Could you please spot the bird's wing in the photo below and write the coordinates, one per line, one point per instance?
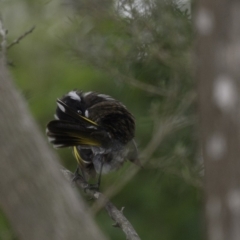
(82, 131)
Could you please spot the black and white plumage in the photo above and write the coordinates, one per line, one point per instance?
(99, 128)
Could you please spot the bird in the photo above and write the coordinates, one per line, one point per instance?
(99, 129)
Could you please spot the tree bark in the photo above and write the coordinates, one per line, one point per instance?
(218, 75)
(38, 201)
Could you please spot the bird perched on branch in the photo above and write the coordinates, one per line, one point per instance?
(99, 129)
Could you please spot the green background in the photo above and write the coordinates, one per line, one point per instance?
(94, 47)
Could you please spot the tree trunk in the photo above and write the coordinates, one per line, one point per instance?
(218, 75)
(36, 198)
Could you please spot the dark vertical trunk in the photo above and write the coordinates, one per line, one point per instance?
(218, 75)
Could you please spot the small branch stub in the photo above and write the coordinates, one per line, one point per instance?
(16, 41)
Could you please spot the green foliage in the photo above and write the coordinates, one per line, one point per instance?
(150, 50)
(141, 55)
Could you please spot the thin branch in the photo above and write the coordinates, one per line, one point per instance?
(145, 86)
(149, 88)
(116, 215)
(16, 41)
(193, 177)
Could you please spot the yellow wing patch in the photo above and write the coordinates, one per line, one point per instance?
(88, 120)
(77, 156)
(79, 159)
(85, 141)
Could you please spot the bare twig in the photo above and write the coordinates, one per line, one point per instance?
(117, 215)
(16, 41)
(146, 87)
(191, 177)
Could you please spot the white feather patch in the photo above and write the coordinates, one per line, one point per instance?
(86, 94)
(56, 117)
(61, 107)
(86, 113)
(51, 139)
(91, 127)
(73, 95)
(106, 97)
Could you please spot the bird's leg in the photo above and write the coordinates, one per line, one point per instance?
(100, 175)
(96, 186)
(82, 176)
(76, 175)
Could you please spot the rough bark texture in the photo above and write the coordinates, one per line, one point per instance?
(36, 198)
(218, 74)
